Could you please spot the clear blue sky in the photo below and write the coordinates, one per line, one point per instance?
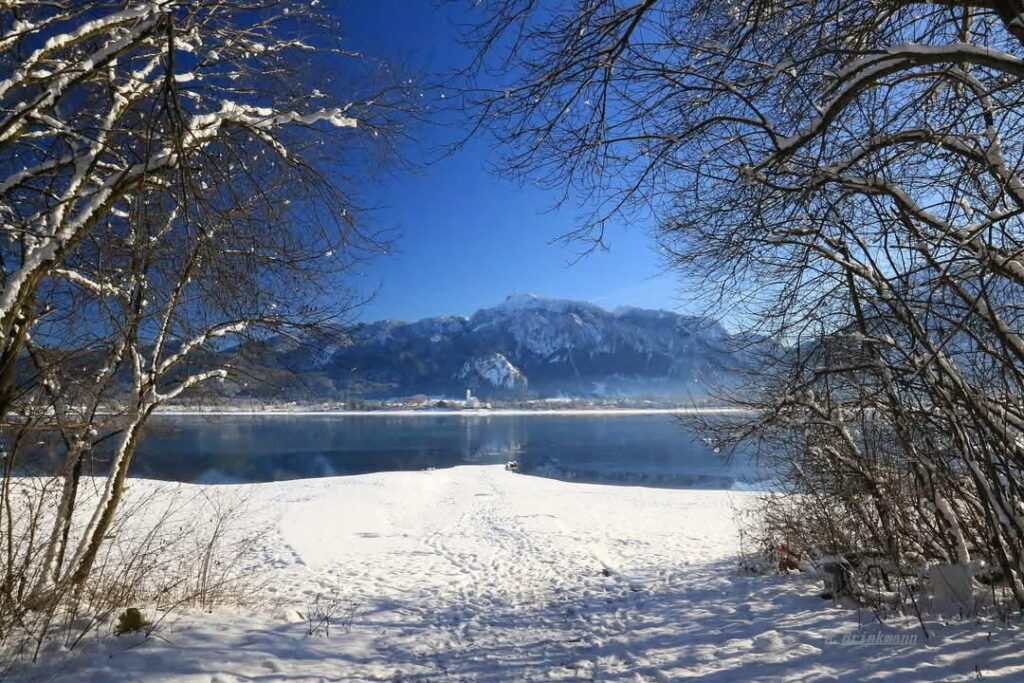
(466, 238)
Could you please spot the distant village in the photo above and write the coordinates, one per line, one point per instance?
(422, 402)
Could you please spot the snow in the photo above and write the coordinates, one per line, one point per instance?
(520, 301)
(862, 73)
(559, 346)
(474, 573)
(493, 370)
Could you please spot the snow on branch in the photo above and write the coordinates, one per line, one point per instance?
(201, 339)
(101, 288)
(864, 73)
(189, 382)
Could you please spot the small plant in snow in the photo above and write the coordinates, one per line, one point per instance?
(131, 621)
(330, 610)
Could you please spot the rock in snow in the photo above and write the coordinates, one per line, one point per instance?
(491, 371)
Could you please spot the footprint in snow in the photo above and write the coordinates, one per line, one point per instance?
(272, 665)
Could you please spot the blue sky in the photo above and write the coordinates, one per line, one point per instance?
(466, 238)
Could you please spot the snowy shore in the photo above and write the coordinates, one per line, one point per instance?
(474, 573)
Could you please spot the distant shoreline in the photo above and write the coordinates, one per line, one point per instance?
(482, 412)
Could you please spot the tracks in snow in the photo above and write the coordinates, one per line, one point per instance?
(545, 608)
(477, 577)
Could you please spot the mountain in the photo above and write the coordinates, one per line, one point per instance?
(528, 346)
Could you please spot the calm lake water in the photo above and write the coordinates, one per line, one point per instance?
(629, 449)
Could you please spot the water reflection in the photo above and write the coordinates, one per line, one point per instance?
(636, 449)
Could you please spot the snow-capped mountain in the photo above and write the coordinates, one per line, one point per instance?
(526, 346)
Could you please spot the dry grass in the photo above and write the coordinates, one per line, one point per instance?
(173, 548)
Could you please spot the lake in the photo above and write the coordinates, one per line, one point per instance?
(639, 449)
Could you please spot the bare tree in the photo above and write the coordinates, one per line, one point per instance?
(174, 177)
(844, 174)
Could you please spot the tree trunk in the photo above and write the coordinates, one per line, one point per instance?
(81, 566)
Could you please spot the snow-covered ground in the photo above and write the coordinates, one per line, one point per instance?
(475, 573)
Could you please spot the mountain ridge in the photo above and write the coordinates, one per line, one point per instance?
(526, 346)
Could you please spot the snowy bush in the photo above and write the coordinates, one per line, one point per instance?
(163, 554)
(842, 179)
